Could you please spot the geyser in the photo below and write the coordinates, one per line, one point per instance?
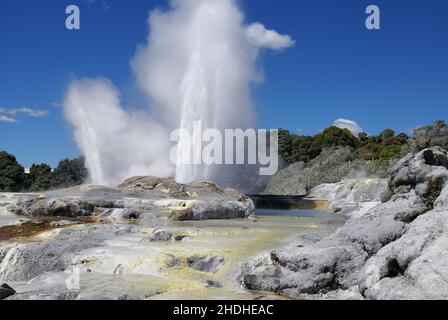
(198, 65)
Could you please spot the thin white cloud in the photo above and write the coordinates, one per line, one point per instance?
(7, 115)
(26, 111)
(351, 125)
(7, 119)
(261, 37)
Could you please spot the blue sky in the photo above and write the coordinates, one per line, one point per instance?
(395, 77)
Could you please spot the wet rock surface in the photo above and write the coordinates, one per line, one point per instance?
(114, 260)
(396, 250)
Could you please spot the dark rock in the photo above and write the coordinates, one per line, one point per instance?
(261, 283)
(161, 236)
(213, 284)
(180, 237)
(205, 263)
(386, 196)
(6, 291)
(172, 261)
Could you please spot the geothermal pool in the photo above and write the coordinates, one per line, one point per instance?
(203, 260)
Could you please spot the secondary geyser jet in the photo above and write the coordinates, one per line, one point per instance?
(198, 65)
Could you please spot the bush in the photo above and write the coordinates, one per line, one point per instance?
(284, 144)
(331, 166)
(12, 174)
(294, 148)
(334, 137)
(39, 178)
(304, 149)
(390, 152)
(69, 173)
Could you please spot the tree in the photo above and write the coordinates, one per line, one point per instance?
(304, 149)
(12, 174)
(363, 136)
(390, 152)
(335, 137)
(284, 144)
(387, 134)
(39, 178)
(69, 173)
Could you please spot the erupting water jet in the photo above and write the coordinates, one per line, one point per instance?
(198, 65)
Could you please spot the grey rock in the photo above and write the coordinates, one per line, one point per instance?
(52, 207)
(161, 236)
(213, 284)
(413, 267)
(140, 198)
(55, 294)
(396, 250)
(25, 261)
(213, 209)
(426, 173)
(386, 196)
(205, 263)
(347, 195)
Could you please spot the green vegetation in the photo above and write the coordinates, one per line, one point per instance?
(69, 173)
(385, 146)
(294, 148)
(41, 177)
(12, 174)
(335, 154)
(332, 165)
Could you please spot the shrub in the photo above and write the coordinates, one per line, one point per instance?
(69, 173)
(12, 174)
(39, 178)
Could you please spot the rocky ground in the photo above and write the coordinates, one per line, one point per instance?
(350, 197)
(146, 259)
(148, 238)
(138, 198)
(397, 249)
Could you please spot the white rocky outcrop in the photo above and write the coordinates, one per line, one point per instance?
(348, 195)
(140, 198)
(396, 250)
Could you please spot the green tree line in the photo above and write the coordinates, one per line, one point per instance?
(41, 177)
(385, 146)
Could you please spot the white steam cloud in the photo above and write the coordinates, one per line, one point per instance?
(115, 143)
(198, 64)
(352, 126)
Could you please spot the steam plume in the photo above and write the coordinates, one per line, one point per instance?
(198, 65)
